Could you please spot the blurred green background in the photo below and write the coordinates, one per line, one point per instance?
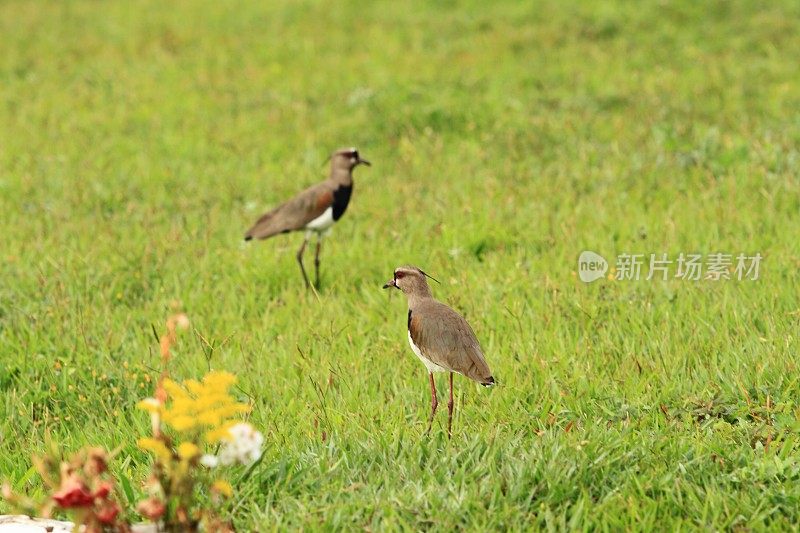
(138, 140)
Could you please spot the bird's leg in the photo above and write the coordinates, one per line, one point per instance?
(450, 409)
(316, 260)
(434, 402)
(300, 260)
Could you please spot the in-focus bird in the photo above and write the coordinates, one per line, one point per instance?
(314, 210)
(439, 336)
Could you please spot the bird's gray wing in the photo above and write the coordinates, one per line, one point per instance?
(294, 214)
(444, 337)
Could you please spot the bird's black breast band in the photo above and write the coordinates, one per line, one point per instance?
(341, 197)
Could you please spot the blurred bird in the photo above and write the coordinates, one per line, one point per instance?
(314, 210)
(439, 336)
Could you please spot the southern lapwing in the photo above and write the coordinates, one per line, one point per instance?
(313, 210)
(439, 336)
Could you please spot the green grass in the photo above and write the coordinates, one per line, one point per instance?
(138, 143)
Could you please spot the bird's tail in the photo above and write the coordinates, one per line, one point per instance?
(489, 382)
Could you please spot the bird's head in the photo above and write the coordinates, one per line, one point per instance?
(347, 159)
(411, 280)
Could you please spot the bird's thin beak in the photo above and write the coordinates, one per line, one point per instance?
(389, 284)
(364, 162)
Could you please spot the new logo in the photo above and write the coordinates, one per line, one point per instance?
(591, 266)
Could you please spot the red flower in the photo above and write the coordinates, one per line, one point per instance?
(103, 490)
(151, 508)
(107, 514)
(73, 493)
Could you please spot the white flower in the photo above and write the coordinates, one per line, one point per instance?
(242, 446)
(209, 460)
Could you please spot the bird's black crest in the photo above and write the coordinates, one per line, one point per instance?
(429, 276)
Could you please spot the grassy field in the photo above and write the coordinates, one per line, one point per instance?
(138, 143)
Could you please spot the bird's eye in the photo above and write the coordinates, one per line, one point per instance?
(398, 275)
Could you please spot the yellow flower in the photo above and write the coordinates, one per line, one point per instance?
(174, 390)
(220, 433)
(203, 405)
(180, 422)
(219, 380)
(188, 450)
(156, 446)
(223, 487)
(194, 386)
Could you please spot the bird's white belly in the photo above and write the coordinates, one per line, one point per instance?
(431, 366)
(322, 222)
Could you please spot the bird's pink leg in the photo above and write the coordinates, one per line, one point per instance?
(434, 402)
(450, 409)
